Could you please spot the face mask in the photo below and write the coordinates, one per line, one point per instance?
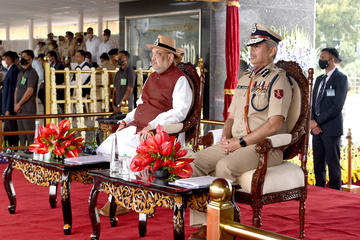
(116, 57)
(89, 36)
(87, 60)
(60, 42)
(120, 61)
(51, 48)
(4, 64)
(106, 38)
(37, 46)
(323, 63)
(79, 40)
(50, 61)
(24, 62)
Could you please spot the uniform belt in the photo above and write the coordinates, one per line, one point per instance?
(246, 109)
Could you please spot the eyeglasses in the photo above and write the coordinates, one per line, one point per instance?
(157, 54)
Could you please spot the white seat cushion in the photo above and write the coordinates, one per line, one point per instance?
(278, 178)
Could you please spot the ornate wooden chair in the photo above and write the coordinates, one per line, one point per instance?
(287, 181)
(191, 125)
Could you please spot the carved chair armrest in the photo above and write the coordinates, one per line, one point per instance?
(263, 148)
(207, 140)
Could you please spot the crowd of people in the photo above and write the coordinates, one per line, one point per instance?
(22, 75)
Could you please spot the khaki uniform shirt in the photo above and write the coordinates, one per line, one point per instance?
(67, 51)
(42, 50)
(261, 106)
(61, 49)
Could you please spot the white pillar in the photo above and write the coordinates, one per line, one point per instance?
(81, 22)
(100, 28)
(49, 26)
(7, 44)
(31, 34)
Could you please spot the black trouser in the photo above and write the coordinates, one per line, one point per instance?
(59, 96)
(10, 126)
(327, 152)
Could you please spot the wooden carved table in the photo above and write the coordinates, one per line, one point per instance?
(48, 174)
(143, 197)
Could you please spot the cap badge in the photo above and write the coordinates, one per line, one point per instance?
(157, 42)
(253, 28)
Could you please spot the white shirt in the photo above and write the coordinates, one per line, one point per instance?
(84, 76)
(39, 70)
(327, 79)
(104, 47)
(182, 98)
(93, 47)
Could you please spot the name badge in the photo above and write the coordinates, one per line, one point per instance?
(242, 87)
(330, 92)
(23, 81)
(123, 81)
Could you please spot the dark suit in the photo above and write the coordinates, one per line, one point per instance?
(326, 145)
(59, 79)
(9, 86)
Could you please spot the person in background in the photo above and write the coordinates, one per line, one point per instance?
(59, 79)
(68, 46)
(25, 94)
(49, 40)
(124, 83)
(54, 47)
(9, 85)
(79, 45)
(40, 58)
(92, 44)
(2, 50)
(104, 59)
(41, 48)
(85, 77)
(88, 58)
(61, 46)
(17, 62)
(329, 94)
(181, 51)
(105, 46)
(114, 57)
(38, 67)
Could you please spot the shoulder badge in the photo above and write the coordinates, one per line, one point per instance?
(265, 72)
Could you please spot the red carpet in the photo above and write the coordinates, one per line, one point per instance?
(330, 214)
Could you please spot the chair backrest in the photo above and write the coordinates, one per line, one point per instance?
(299, 112)
(192, 122)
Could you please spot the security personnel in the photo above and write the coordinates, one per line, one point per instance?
(78, 45)
(68, 45)
(258, 110)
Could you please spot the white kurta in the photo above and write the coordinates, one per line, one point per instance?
(182, 98)
(93, 47)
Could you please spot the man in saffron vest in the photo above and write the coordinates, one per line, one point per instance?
(166, 99)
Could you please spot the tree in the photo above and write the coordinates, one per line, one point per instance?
(338, 25)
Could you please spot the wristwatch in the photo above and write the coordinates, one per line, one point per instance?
(242, 142)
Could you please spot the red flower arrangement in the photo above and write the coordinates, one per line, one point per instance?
(60, 140)
(162, 152)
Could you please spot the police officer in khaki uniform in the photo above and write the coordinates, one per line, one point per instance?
(68, 45)
(267, 92)
(78, 45)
